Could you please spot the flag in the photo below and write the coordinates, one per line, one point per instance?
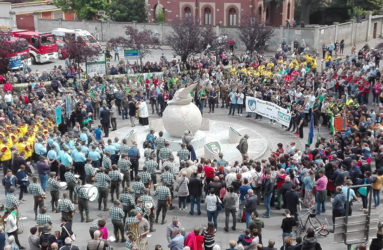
(311, 133)
(139, 78)
(332, 124)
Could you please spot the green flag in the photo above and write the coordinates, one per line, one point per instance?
(139, 78)
(148, 76)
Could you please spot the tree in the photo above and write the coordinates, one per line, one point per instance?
(6, 46)
(254, 34)
(80, 52)
(128, 11)
(208, 37)
(84, 9)
(160, 16)
(142, 41)
(185, 39)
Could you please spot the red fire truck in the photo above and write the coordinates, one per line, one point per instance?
(42, 46)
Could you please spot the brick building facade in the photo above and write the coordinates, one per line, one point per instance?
(223, 12)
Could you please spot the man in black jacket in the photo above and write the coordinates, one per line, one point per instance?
(250, 205)
(195, 192)
(267, 194)
(105, 120)
(292, 202)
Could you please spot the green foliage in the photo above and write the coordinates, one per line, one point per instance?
(160, 17)
(84, 9)
(128, 11)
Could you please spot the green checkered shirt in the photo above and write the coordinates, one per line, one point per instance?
(145, 177)
(11, 201)
(167, 177)
(127, 199)
(53, 185)
(43, 219)
(94, 225)
(159, 143)
(65, 205)
(114, 175)
(138, 187)
(116, 213)
(171, 166)
(183, 154)
(147, 152)
(102, 180)
(124, 165)
(164, 153)
(130, 220)
(69, 177)
(140, 209)
(124, 149)
(162, 193)
(106, 162)
(81, 192)
(147, 199)
(151, 165)
(35, 189)
(89, 170)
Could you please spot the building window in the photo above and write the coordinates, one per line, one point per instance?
(260, 12)
(187, 12)
(207, 15)
(288, 11)
(232, 17)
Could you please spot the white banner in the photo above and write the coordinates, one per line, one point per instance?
(96, 66)
(268, 109)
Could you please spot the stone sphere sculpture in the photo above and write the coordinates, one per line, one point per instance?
(181, 114)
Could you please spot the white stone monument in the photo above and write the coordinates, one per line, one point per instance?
(181, 114)
(156, 125)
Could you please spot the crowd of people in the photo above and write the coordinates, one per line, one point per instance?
(42, 154)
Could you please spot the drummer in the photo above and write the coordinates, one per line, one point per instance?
(54, 187)
(90, 171)
(83, 205)
(148, 205)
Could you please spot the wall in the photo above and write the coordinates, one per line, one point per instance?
(5, 18)
(313, 36)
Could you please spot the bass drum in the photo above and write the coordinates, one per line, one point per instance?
(63, 185)
(92, 191)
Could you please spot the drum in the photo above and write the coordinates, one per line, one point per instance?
(121, 176)
(92, 191)
(63, 185)
(77, 176)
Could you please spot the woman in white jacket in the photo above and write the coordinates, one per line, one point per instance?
(11, 226)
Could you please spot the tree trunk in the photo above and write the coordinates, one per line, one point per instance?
(305, 11)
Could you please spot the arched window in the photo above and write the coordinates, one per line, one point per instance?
(232, 17)
(260, 12)
(207, 16)
(187, 12)
(267, 14)
(288, 11)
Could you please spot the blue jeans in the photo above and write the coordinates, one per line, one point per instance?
(376, 194)
(248, 219)
(201, 105)
(284, 235)
(212, 216)
(195, 200)
(267, 200)
(43, 181)
(320, 204)
(182, 202)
